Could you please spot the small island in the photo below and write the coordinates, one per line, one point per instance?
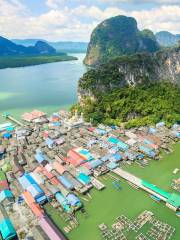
(23, 61)
(13, 55)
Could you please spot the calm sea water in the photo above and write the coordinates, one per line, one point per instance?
(48, 87)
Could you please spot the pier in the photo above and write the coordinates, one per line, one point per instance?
(11, 118)
(97, 184)
(172, 200)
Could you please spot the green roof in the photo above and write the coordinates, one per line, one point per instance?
(174, 200)
(7, 229)
(2, 176)
(6, 167)
(155, 189)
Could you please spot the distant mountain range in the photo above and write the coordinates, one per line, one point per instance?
(59, 46)
(9, 48)
(167, 39)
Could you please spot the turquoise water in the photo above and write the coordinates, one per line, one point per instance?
(48, 87)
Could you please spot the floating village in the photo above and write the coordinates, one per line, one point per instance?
(58, 160)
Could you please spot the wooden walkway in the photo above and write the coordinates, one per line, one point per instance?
(13, 120)
(136, 181)
(97, 184)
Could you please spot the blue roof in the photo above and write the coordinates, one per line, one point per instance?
(55, 115)
(85, 179)
(56, 124)
(26, 180)
(105, 158)
(66, 182)
(72, 199)
(35, 190)
(146, 141)
(84, 151)
(37, 193)
(140, 156)
(123, 146)
(160, 124)
(112, 165)
(41, 199)
(101, 131)
(39, 157)
(49, 141)
(117, 156)
(113, 127)
(95, 163)
(63, 201)
(152, 130)
(7, 135)
(131, 155)
(86, 154)
(147, 150)
(113, 140)
(5, 194)
(178, 135)
(10, 129)
(7, 229)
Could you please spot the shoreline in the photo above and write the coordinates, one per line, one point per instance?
(25, 61)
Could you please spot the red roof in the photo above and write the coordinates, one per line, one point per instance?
(58, 159)
(86, 165)
(91, 129)
(37, 210)
(4, 185)
(47, 174)
(74, 155)
(54, 181)
(75, 158)
(58, 167)
(38, 169)
(28, 198)
(74, 162)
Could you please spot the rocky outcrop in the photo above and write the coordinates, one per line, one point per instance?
(132, 71)
(118, 36)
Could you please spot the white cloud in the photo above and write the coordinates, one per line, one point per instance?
(140, 1)
(157, 19)
(54, 3)
(77, 23)
(60, 3)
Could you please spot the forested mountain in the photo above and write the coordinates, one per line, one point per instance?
(138, 89)
(118, 36)
(8, 48)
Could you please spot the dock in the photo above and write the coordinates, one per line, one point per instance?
(97, 184)
(11, 118)
(137, 183)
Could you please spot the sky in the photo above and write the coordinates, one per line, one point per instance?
(74, 20)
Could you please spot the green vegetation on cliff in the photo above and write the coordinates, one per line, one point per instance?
(137, 106)
(137, 89)
(118, 36)
(132, 70)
